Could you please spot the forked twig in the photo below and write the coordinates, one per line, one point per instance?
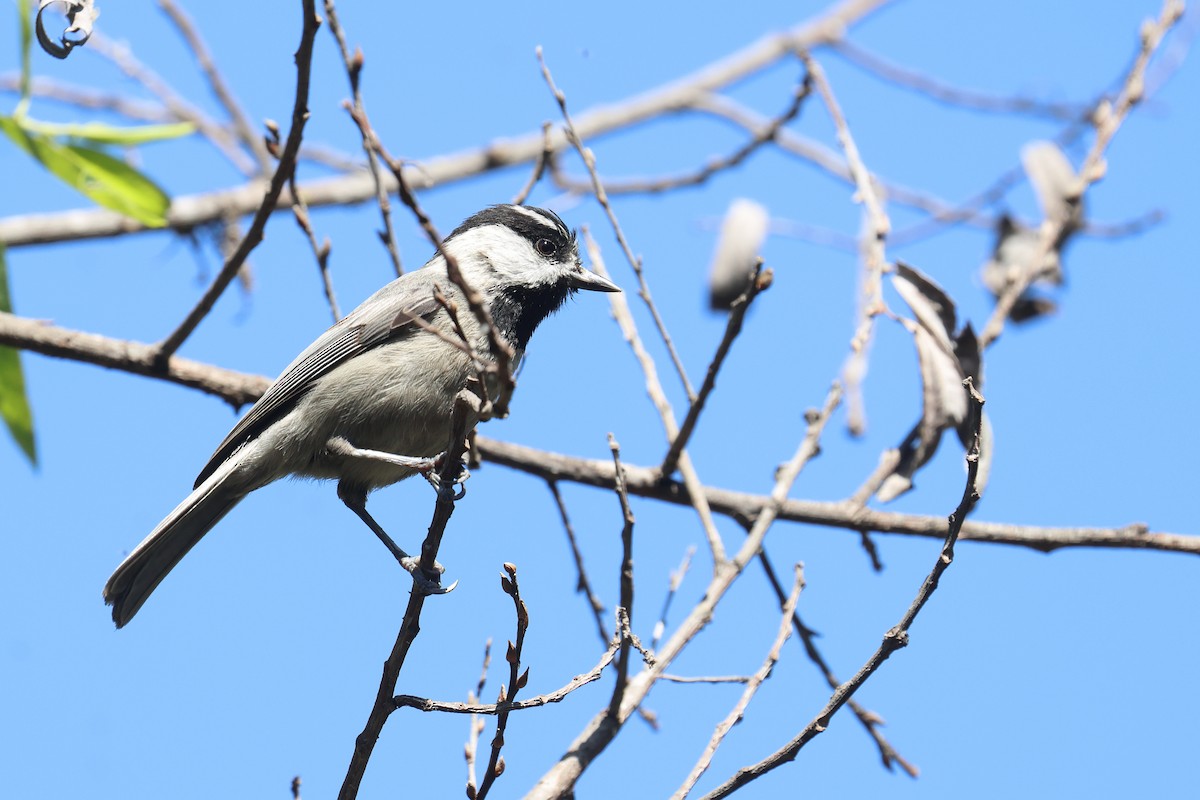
(354, 65)
(756, 680)
(620, 310)
(589, 162)
(283, 171)
(364, 744)
(893, 640)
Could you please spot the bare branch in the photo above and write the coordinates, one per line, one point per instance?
(875, 232)
(1107, 121)
(893, 640)
(556, 696)
(620, 310)
(870, 721)
(500, 349)
(190, 211)
(582, 584)
(220, 89)
(354, 66)
(320, 251)
(240, 388)
(755, 680)
(673, 585)
(544, 159)
(589, 162)
(287, 163)
(384, 703)
(516, 680)
(761, 136)
(84, 97)
(477, 724)
(179, 108)
(897, 75)
(626, 578)
(737, 314)
(604, 727)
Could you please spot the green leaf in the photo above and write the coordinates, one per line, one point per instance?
(14, 404)
(108, 181)
(100, 133)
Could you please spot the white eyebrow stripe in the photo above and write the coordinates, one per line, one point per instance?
(542, 218)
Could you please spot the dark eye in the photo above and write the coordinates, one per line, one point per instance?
(545, 247)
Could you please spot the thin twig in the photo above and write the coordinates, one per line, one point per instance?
(893, 640)
(620, 310)
(501, 351)
(582, 584)
(516, 680)
(756, 680)
(220, 89)
(870, 721)
(477, 724)
(1107, 121)
(760, 137)
(354, 66)
(626, 578)
(669, 678)
(556, 696)
(384, 703)
(589, 162)
(89, 98)
(320, 251)
(737, 314)
(677, 576)
(603, 728)
(895, 75)
(875, 232)
(828, 160)
(220, 137)
(283, 171)
(546, 157)
(888, 460)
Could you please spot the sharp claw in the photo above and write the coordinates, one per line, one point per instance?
(433, 587)
(434, 476)
(425, 583)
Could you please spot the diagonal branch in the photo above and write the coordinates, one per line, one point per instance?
(895, 638)
(561, 779)
(220, 89)
(287, 163)
(384, 703)
(1107, 120)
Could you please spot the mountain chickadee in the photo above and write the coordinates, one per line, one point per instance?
(373, 396)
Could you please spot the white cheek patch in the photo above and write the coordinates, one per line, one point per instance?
(494, 254)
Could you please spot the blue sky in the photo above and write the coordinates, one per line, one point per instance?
(1062, 675)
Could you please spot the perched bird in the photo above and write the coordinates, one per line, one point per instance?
(370, 401)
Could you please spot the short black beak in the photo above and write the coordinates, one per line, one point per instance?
(590, 281)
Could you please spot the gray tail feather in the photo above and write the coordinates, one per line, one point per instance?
(144, 568)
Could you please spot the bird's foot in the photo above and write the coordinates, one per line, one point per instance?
(433, 474)
(424, 582)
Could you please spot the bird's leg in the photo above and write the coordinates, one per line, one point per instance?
(428, 467)
(355, 499)
(339, 446)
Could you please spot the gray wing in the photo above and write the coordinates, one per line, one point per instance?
(384, 317)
